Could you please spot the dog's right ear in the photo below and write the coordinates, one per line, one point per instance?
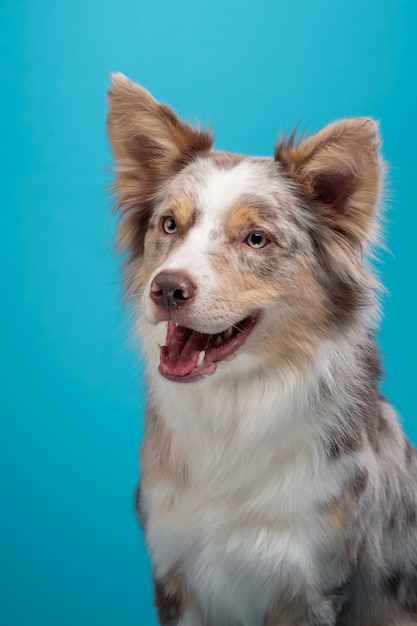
(150, 144)
(339, 172)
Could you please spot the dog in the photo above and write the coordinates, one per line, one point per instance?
(276, 484)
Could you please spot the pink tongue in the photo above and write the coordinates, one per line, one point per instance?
(180, 355)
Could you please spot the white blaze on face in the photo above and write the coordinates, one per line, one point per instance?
(215, 192)
(212, 200)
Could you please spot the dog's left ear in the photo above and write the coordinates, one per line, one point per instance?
(339, 172)
(149, 134)
(150, 144)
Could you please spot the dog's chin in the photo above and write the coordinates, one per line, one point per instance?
(190, 356)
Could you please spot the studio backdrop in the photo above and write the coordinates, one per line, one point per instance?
(71, 377)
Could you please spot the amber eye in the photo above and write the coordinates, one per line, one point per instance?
(257, 240)
(170, 225)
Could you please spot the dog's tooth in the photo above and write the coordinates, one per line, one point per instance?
(228, 333)
(201, 358)
(217, 342)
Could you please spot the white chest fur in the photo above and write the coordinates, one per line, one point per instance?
(245, 526)
(237, 554)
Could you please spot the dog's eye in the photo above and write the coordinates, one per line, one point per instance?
(169, 225)
(257, 240)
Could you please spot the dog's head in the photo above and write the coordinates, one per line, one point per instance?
(238, 256)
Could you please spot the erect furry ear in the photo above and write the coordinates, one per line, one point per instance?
(339, 171)
(150, 143)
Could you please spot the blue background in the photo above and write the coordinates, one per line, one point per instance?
(71, 398)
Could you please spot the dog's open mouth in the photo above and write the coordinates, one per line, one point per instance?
(189, 355)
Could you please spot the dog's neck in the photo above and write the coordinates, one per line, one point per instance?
(258, 402)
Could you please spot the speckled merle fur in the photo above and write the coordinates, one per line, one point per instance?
(279, 489)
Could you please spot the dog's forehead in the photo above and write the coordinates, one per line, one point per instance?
(216, 184)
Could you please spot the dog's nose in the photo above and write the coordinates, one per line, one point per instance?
(172, 290)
